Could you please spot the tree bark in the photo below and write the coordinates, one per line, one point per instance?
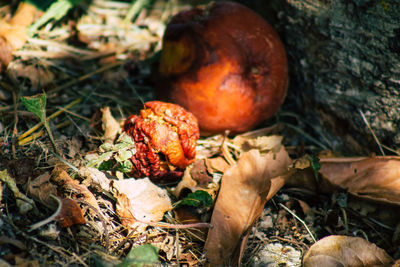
(344, 58)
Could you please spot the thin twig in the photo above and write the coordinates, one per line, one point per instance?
(48, 219)
(306, 135)
(172, 226)
(15, 129)
(85, 77)
(15, 95)
(372, 131)
(300, 220)
(135, 9)
(39, 134)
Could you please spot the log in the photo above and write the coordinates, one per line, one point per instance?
(344, 61)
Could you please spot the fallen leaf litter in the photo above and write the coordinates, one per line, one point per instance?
(103, 236)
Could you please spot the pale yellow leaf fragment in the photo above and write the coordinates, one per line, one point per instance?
(140, 201)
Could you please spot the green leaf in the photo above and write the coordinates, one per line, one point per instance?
(145, 255)
(124, 155)
(98, 161)
(315, 165)
(37, 105)
(342, 200)
(107, 147)
(106, 165)
(197, 199)
(124, 166)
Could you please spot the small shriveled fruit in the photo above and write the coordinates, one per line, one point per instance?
(165, 136)
(225, 64)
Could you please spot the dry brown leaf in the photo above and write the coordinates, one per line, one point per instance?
(199, 172)
(140, 201)
(60, 177)
(374, 178)
(188, 183)
(39, 75)
(345, 251)
(70, 213)
(94, 178)
(218, 164)
(41, 188)
(110, 125)
(245, 188)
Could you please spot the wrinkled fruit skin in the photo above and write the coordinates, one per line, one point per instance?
(165, 136)
(226, 65)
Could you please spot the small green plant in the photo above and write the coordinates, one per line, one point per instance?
(115, 157)
(197, 199)
(37, 105)
(144, 255)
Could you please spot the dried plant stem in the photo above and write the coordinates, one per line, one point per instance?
(52, 116)
(300, 220)
(39, 134)
(177, 226)
(52, 141)
(372, 131)
(15, 130)
(307, 136)
(86, 76)
(63, 252)
(14, 89)
(177, 250)
(173, 226)
(135, 9)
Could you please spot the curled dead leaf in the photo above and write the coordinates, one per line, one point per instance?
(39, 75)
(218, 164)
(70, 213)
(245, 188)
(336, 250)
(188, 183)
(199, 172)
(60, 177)
(41, 189)
(375, 178)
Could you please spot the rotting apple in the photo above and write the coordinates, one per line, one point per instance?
(165, 137)
(225, 64)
